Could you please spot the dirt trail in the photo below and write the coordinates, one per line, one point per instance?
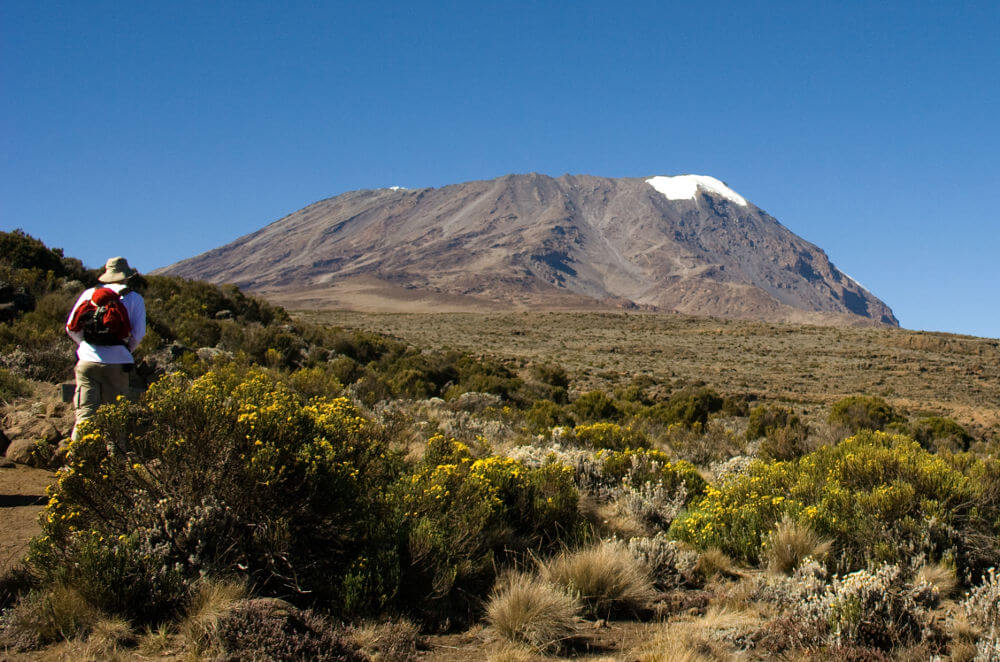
(22, 497)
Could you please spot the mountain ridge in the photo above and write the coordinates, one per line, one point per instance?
(534, 241)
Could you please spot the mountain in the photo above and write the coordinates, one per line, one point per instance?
(688, 244)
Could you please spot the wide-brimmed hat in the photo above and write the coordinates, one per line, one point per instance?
(116, 271)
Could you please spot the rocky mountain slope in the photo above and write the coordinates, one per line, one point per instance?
(686, 244)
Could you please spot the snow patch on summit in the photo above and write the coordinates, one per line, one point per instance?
(684, 187)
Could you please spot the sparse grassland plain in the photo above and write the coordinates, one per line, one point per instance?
(922, 372)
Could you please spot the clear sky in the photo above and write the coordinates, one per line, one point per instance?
(160, 130)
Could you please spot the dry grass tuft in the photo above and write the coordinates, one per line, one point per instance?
(515, 653)
(940, 577)
(527, 610)
(394, 641)
(109, 638)
(155, 642)
(608, 579)
(211, 601)
(699, 640)
(58, 613)
(714, 562)
(790, 543)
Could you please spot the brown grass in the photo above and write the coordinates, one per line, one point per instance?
(524, 609)
(211, 601)
(790, 543)
(606, 577)
(390, 641)
(955, 376)
(715, 563)
(940, 577)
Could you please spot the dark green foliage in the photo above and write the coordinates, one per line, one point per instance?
(940, 433)
(12, 386)
(687, 407)
(765, 420)
(595, 406)
(551, 374)
(862, 412)
(543, 415)
(20, 250)
(782, 432)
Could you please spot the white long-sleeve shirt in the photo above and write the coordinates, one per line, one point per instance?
(136, 307)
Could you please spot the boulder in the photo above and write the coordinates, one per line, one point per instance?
(23, 451)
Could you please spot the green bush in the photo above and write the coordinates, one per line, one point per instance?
(464, 516)
(543, 415)
(20, 250)
(595, 406)
(688, 407)
(862, 412)
(881, 498)
(939, 433)
(12, 386)
(765, 420)
(228, 474)
(551, 374)
(783, 433)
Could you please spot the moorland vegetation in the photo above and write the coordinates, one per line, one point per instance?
(295, 490)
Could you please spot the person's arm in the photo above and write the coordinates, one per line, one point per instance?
(76, 335)
(137, 318)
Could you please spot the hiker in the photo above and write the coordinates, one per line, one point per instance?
(108, 323)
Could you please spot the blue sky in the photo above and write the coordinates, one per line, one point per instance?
(161, 130)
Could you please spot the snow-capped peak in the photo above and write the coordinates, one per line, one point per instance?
(683, 187)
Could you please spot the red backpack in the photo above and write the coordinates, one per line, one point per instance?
(102, 319)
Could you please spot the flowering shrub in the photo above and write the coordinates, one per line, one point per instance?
(880, 497)
(642, 465)
(609, 435)
(230, 473)
(463, 514)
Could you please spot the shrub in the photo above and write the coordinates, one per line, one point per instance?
(790, 543)
(543, 415)
(550, 374)
(42, 617)
(228, 474)
(642, 465)
(465, 515)
(862, 412)
(873, 609)
(316, 382)
(12, 386)
(939, 433)
(271, 630)
(671, 565)
(609, 436)
(606, 578)
(687, 407)
(982, 605)
(595, 406)
(211, 601)
(525, 609)
(881, 497)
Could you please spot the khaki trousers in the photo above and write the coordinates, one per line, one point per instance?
(97, 384)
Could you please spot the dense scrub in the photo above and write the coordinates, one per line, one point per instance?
(358, 476)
